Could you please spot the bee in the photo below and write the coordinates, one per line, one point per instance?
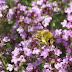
(44, 37)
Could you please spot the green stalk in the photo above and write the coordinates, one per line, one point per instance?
(4, 64)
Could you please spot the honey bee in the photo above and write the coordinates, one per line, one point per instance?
(44, 36)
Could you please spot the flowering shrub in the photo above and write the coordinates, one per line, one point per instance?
(20, 51)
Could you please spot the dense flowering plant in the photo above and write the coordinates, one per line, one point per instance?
(19, 22)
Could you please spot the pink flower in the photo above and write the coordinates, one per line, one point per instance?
(37, 62)
(27, 51)
(44, 53)
(14, 60)
(16, 69)
(23, 8)
(58, 40)
(64, 23)
(68, 10)
(46, 21)
(69, 25)
(21, 59)
(40, 2)
(20, 30)
(27, 20)
(55, 3)
(63, 70)
(48, 4)
(16, 51)
(57, 33)
(10, 67)
(65, 35)
(64, 0)
(68, 50)
(59, 60)
(56, 9)
(36, 51)
(6, 39)
(70, 4)
(57, 52)
(29, 67)
(47, 65)
(69, 17)
(45, 70)
(70, 33)
(21, 18)
(11, 11)
(57, 66)
(2, 71)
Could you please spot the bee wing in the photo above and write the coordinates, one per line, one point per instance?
(35, 31)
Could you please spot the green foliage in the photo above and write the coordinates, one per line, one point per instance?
(8, 45)
(57, 19)
(41, 65)
(34, 59)
(11, 22)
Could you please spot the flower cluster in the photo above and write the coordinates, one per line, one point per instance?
(20, 51)
(3, 7)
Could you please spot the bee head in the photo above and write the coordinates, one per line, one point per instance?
(48, 41)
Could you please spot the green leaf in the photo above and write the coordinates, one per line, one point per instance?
(0, 54)
(41, 65)
(8, 44)
(67, 54)
(53, 24)
(10, 22)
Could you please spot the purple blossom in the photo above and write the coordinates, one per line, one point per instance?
(21, 18)
(68, 10)
(16, 51)
(69, 17)
(64, 0)
(27, 51)
(29, 67)
(59, 60)
(2, 71)
(39, 2)
(44, 53)
(57, 33)
(27, 20)
(63, 70)
(45, 70)
(36, 51)
(46, 21)
(21, 59)
(37, 62)
(16, 69)
(23, 8)
(20, 30)
(68, 50)
(6, 39)
(57, 52)
(48, 4)
(10, 67)
(56, 9)
(47, 65)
